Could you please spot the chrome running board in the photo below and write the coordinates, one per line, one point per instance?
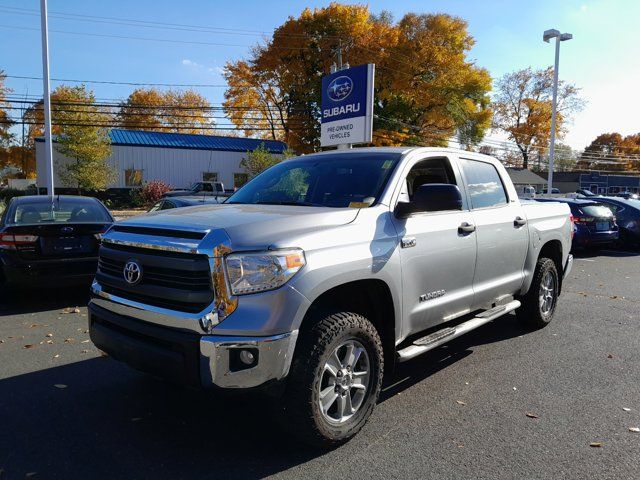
(437, 338)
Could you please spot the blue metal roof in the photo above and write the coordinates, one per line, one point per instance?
(199, 142)
(139, 138)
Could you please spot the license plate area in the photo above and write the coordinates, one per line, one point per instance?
(65, 245)
(602, 226)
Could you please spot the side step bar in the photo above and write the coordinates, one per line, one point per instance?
(435, 339)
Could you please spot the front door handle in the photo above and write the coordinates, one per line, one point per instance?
(519, 222)
(466, 227)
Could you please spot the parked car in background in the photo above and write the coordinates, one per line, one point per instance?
(594, 223)
(50, 241)
(553, 190)
(203, 189)
(585, 193)
(178, 202)
(627, 213)
(627, 195)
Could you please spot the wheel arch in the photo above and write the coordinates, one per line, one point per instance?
(371, 298)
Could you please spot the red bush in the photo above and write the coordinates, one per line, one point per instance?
(153, 191)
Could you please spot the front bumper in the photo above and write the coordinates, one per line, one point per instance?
(185, 357)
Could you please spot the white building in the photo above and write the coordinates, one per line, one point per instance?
(174, 158)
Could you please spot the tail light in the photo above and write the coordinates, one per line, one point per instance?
(573, 226)
(11, 242)
(583, 220)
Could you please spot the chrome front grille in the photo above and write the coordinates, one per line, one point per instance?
(172, 280)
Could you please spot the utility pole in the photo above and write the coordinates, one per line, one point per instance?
(342, 146)
(46, 98)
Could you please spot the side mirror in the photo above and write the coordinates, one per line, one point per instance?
(432, 197)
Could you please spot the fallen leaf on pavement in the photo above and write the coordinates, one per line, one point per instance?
(29, 346)
(34, 325)
(515, 389)
(85, 341)
(531, 415)
(613, 297)
(85, 351)
(460, 402)
(634, 429)
(60, 385)
(595, 444)
(626, 409)
(56, 355)
(609, 355)
(49, 335)
(49, 341)
(70, 310)
(69, 340)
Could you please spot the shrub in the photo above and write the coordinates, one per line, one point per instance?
(153, 191)
(7, 194)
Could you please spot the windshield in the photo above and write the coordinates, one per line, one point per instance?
(68, 210)
(347, 180)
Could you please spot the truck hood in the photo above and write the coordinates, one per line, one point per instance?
(249, 226)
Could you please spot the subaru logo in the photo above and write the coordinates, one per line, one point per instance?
(340, 88)
(132, 272)
(66, 230)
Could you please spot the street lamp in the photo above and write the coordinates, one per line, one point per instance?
(560, 37)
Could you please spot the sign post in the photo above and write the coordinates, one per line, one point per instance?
(347, 107)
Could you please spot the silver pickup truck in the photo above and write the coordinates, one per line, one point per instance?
(322, 273)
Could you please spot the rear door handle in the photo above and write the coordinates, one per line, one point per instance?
(466, 227)
(519, 222)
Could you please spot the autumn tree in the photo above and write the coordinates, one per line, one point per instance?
(522, 109)
(5, 119)
(172, 110)
(612, 151)
(426, 89)
(84, 138)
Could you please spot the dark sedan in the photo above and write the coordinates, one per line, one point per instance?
(594, 222)
(628, 214)
(51, 241)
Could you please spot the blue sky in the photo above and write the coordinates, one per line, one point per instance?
(601, 59)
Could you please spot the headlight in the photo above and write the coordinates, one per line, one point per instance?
(258, 272)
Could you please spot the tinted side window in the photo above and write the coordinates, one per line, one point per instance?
(484, 184)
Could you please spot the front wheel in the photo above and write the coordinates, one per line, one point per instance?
(335, 380)
(539, 303)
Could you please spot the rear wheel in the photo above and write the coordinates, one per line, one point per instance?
(335, 380)
(539, 304)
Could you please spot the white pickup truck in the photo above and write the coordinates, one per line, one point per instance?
(319, 275)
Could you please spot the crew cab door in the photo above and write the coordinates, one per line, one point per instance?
(438, 259)
(500, 230)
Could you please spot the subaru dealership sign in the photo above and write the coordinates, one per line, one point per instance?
(347, 106)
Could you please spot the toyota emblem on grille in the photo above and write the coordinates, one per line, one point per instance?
(132, 272)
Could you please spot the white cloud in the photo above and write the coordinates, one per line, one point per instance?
(190, 63)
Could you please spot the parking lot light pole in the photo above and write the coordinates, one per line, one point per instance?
(560, 37)
(46, 98)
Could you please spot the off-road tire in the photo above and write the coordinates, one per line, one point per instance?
(531, 312)
(300, 413)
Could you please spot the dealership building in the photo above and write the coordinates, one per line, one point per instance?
(177, 159)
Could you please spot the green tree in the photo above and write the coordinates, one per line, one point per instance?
(84, 138)
(426, 89)
(260, 159)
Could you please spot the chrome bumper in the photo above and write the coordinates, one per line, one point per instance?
(273, 359)
(139, 324)
(568, 266)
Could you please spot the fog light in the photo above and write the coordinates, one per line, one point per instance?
(247, 357)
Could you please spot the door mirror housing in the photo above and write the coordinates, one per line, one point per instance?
(432, 197)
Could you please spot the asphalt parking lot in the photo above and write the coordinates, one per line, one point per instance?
(501, 402)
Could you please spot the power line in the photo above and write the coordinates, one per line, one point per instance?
(112, 82)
